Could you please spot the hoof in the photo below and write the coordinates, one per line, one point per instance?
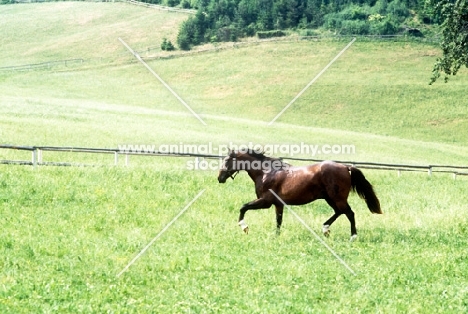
(353, 238)
(244, 226)
(326, 230)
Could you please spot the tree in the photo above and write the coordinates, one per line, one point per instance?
(192, 31)
(166, 45)
(221, 20)
(186, 34)
(453, 16)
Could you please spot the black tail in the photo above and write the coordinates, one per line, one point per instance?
(365, 190)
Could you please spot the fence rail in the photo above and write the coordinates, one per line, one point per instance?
(37, 159)
(42, 65)
(216, 48)
(257, 41)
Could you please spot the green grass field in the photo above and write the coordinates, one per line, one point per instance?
(67, 232)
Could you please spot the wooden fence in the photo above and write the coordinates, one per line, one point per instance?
(37, 159)
(217, 47)
(42, 65)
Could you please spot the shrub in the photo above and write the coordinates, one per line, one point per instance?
(172, 3)
(355, 12)
(185, 4)
(166, 45)
(333, 21)
(270, 34)
(355, 27)
(398, 9)
(384, 27)
(250, 30)
(229, 33)
(183, 41)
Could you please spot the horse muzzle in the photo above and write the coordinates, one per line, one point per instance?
(222, 178)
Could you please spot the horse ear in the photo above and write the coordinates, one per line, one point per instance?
(232, 153)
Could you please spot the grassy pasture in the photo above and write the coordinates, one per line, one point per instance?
(67, 232)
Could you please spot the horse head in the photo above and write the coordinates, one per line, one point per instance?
(228, 168)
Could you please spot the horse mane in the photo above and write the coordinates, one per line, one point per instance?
(257, 154)
(261, 156)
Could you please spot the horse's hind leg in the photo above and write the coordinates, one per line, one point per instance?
(340, 208)
(279, 218)
(327, 224)
(344, 208)
(350, 214)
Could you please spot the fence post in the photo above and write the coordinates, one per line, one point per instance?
(399, 173)
(454, 175)
(116, 158)
(34, 158)
(39, 155)
(127, 157)
(429, 171)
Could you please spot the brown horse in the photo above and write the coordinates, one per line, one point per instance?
(299, 185)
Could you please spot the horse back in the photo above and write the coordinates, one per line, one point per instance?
(304, 184)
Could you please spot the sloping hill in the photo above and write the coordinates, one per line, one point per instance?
(43, 32)
(375, 96)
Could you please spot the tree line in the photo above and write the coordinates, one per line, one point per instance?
(228, 20)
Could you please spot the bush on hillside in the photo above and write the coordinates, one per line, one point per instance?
(382, 25)
(270, 34)
(354, 27)
(166, 45)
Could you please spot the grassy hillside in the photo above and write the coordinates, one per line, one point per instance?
(375, 96)
(52, 31)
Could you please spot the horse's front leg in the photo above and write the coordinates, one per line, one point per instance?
(259, 203)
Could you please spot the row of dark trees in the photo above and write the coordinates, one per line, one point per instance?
(227, 20)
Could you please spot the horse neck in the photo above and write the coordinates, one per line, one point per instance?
(254, 174)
